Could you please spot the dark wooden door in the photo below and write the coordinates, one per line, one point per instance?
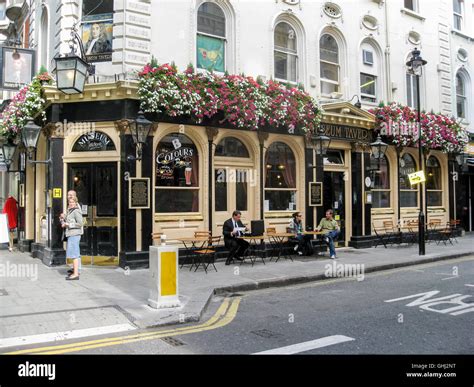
(96, 187)
(333, 197)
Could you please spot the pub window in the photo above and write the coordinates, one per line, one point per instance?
(408, 194)
(280, 179)
(211, 38)
(434, 190)
(381, 183)
(458, 14)
(285, 53)
(97, 29)
(231, 147)
(177, 175)
(329, 64)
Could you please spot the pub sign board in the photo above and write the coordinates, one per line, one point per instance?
(315, 194)
(347, 133)
(93, 141)
(139, 193)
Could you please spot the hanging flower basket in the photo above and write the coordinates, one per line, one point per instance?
(439, 132)
(239, 101)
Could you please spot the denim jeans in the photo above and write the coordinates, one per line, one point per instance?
(332, 236)
(304, 243)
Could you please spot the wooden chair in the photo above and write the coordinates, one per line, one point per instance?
(202, 234)
(446, 235)
(433, 229)
(156, 236)
(271, 240)
(392, 232)
(455, 223)
(207, 256)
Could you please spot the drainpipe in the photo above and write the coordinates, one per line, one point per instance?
(387, 54)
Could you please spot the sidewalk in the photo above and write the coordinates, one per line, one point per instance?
(40, 301)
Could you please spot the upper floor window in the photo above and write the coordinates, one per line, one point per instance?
(285, 53)
(97, 29)
(458, 14)
(329, 64)
(211, 38)
(460, 96)
(412, 95)
(3, 8)
(412, 5)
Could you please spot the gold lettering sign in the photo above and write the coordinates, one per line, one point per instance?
(347, 132)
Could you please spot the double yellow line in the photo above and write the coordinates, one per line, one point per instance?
(224, 315)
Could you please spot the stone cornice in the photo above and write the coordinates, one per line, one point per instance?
(94, 92)
(344, 113)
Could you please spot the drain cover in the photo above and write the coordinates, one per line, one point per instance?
(3, 292)
(173, 342)
(266, 333)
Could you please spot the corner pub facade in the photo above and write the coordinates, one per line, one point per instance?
(191, 177)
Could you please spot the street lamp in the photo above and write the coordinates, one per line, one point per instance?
(7, 150)
(415, 66)
(358, 105)
(320, 142)
(30, 135)
(378, 148)
(71, 70)
(140, 129)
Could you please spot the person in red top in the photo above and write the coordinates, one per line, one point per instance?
(11, 209)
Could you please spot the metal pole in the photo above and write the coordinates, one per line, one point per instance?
(421, 217)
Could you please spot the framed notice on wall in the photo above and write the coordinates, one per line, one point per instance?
(315, 194)
(139, 193)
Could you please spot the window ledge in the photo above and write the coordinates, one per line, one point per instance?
(414, 14)
(176, 217)
(462, 34)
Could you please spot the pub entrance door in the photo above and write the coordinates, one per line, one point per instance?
(334, 197)
(96, 187)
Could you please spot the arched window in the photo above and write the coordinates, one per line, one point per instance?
(285, 53)
(460, 96)
(408, 193)
(329, 64)
(434, 190)
(280, 178)
(211, 38)
(381, 183)
(177, 175)
(231, 147)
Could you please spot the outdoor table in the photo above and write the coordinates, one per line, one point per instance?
(278, 239)
(316, 233)
(252, 240)
(190, 245)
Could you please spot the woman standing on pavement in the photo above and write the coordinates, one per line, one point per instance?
(72, 225)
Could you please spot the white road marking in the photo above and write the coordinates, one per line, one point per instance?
(67, 335)
(455, 276)
(472, 286)
(307, 345)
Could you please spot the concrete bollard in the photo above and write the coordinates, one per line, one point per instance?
(164, 289)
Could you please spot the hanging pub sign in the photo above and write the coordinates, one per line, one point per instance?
(139, 193)
(176, 162)
(315, 194)
(93, 142)
(17, 67)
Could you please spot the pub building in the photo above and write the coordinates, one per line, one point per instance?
(190, 177)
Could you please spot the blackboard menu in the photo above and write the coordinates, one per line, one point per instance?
(315, 194)
(139, 193)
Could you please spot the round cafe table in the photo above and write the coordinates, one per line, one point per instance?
(278, 240)
(252, 249)
(190, 246)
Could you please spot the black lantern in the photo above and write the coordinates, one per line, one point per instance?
(71, 73)
(320, 143)
(71, 70)
(7, 151)
(416, 62)
(358, 105)
(140, 129)
(30, 136)
(378, 148)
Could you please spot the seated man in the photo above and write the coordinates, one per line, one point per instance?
(330, 230)
(304, 241)
(236, 246)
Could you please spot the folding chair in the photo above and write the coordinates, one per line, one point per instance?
(433, 229)
(410, 235)
(446, 235)
(391, 231)
(455, 223)
(271, 240)
(207, 256)
(380, 235)
(202, 234)
(156, 236)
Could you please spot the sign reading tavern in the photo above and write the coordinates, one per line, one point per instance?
(349, 133)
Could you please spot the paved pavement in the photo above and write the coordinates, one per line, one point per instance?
(36, 300)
